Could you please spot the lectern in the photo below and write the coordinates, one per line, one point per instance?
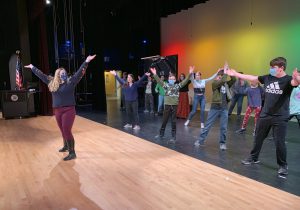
(17, 103)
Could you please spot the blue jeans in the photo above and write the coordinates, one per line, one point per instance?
(212, 116)
(198, 99)
(160, 103)
(237, 98)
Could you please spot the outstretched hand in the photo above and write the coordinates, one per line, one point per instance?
(230, 72)
(89, 58)
(226, 67)
(153, 70)
(30, 66)
(191, 69)
(113, 72)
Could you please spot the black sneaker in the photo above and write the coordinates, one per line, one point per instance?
(241, 131)
(283, 170)
(250, 161)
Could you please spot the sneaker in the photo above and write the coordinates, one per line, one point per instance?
(136, 127)
(146, 111)
(241, 131)
(202, 125)
(159, 137)
(128, 126)
(172, 140)
(223, 147)
(199, 143)
(187, 123)
(283, 170)
(250, 161)
(152, 112)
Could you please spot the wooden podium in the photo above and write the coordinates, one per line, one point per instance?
(17, 103)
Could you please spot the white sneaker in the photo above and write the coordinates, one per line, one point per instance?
(136, 127)
(202, 125)
(223, 147)
(128, 126)
(187, 122)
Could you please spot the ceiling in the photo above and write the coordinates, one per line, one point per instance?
(137, 10)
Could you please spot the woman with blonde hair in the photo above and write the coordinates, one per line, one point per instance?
(62, 89)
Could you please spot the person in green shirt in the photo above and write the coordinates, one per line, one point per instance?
(170, 101)
(159, 89)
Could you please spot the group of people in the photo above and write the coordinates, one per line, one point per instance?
(271, 113)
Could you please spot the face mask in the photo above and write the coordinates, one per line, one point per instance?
(273, 71)
(171, 81)
(63, 77)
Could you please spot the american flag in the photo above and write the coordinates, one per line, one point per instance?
(19, 75)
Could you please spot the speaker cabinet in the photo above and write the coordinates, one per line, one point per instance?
(17, 104)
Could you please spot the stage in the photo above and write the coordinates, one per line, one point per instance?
(116, 170)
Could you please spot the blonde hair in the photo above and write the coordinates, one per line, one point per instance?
(55, 81)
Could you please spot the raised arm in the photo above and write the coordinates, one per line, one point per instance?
(186, 80)
(146, 75)
(158, 80)
(121, 81)
(232, 72)
(212, 77)
(81, 71)
(38, 73)
(218, 83)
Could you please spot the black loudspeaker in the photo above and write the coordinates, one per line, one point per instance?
(17, 104)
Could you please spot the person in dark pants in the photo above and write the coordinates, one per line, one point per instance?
(122, 105)
(275, 112)
(62, 89)
(149, 95)
(170, 101)
(238, 90)
(131, 98)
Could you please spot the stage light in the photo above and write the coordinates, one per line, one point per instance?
(144, 41)
(68, 43)
(48, 2)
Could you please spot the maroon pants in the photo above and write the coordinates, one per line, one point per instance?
(247, 115)
(65, 118)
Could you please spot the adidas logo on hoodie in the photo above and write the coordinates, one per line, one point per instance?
(274, 88)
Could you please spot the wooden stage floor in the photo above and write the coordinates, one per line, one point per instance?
(116, 170)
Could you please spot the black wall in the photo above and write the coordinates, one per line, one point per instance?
(9, 39)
